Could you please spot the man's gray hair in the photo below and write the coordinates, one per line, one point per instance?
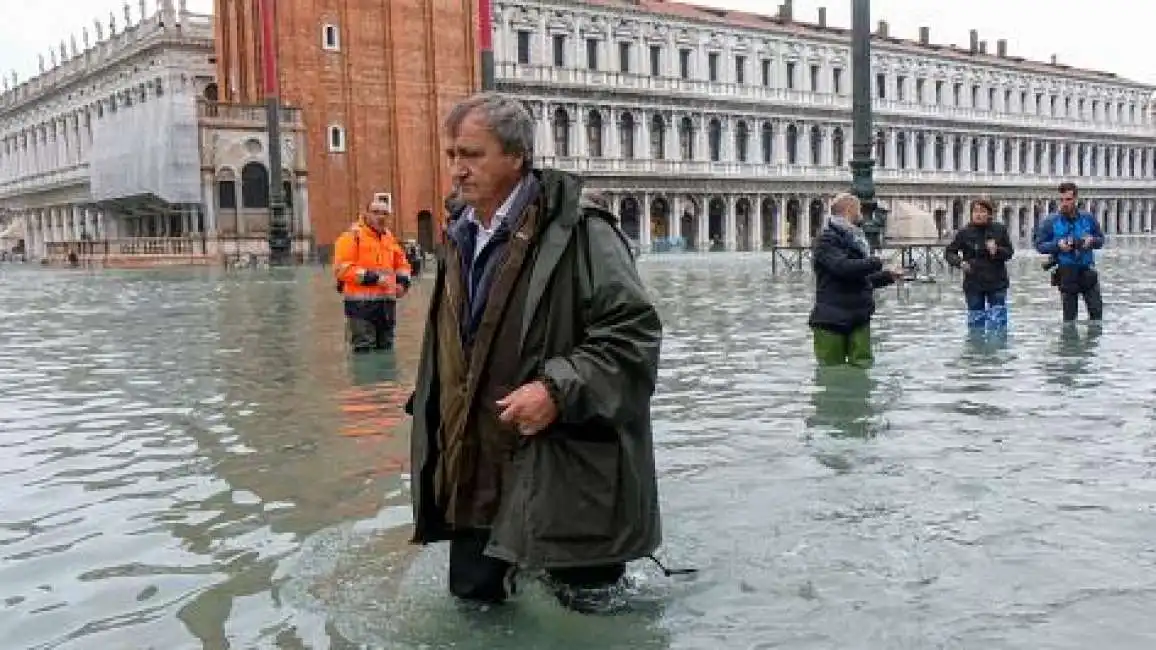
(508, 118)
(842, 201)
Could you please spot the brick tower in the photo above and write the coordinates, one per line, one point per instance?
(374, 80)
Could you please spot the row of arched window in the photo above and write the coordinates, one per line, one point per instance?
(686, 132)
(756, 143)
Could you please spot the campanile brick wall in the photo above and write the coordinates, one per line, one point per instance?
(400, 67)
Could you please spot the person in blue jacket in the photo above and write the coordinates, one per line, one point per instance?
(1072, 236)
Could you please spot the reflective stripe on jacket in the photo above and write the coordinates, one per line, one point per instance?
(363, 249)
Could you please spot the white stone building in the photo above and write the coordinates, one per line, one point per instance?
(114, 149)
(733, 131)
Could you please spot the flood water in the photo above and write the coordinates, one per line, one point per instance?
(189, 458)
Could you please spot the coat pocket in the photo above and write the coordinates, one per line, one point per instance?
(578, 489)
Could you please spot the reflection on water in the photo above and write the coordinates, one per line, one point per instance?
(194, 459)
(842, 402)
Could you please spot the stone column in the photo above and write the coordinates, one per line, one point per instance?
(779, 155)
(828, 154)
(911, 158)
(671, 137)
(612, 141)
(703, 220)
(803, 146)
(305, 219)
(805, 221)
(781, 222)
(644, 226)
(544, 140)
(756, 223)
(730, 223)
(676, 217)
(727, 151)
(701, 150)
(579, 142)
(642, 136)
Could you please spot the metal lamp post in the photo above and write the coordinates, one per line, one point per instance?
(280, 247)
(862, 162)
(486, 43)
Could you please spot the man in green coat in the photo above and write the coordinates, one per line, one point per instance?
(531, 444)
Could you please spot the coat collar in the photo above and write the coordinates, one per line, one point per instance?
(561, 195)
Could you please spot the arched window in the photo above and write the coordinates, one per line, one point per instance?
(816, 146)
(594, 134)
(658, 138)
(920, 151)
(792, 144)
(714, 143)
(837, 147)
(742, 138)
(626, 136)
(227, 190)
(768, 142)
(880, 149)
(940, 152)
(336, 138)
(254, 186)
(561, 133)
(686, 139)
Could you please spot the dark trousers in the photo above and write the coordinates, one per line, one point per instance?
(1074, 282)
(371, 324)
(478, 577)
(986, 308)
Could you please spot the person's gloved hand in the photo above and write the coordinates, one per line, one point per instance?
(367, 278)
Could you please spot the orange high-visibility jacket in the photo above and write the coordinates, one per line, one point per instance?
(362, 248)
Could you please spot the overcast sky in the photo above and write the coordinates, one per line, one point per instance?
(1110, 35)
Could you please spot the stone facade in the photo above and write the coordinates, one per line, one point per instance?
(733, 131)
(373, 80)
(106, 152)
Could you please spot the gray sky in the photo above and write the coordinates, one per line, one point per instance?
(1108, 35)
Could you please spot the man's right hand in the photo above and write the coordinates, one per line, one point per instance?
(1065, 245)
(965, 267)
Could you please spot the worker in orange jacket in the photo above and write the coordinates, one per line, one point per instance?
(372, 273)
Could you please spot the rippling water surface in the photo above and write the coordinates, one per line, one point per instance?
(191, 459)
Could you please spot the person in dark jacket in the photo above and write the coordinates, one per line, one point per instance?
(981, 250)
(846, 276)
(531, 444)
(1072, 237)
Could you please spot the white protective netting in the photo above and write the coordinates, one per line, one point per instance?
(150, 147)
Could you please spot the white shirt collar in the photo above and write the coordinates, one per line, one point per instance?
(501, 214)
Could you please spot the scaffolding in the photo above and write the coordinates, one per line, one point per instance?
(148, 149)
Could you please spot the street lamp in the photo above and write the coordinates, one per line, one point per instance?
(280, 247)
(486, 43)
(862, 162)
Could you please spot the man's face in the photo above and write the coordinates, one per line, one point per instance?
(377, 219)
(482, 172)
(1068, 202)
